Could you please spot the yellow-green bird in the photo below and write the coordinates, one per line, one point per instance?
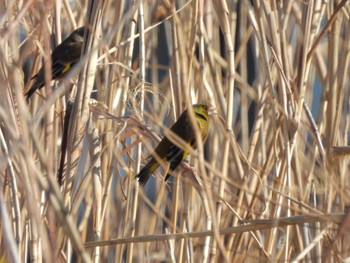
(166, 151)
(63, 57)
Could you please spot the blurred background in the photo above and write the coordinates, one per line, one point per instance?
(271, 182)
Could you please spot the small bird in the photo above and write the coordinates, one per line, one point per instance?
(63, 57)
(166, 151)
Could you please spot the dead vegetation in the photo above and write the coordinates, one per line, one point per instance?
(271, 182)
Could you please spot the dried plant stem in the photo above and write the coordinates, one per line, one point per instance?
(270, 183)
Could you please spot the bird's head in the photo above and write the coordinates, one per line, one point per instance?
(201, 111)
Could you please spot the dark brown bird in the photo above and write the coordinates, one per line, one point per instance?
(167, 151)
(63, 58)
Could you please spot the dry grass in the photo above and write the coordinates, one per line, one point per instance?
(271, 182)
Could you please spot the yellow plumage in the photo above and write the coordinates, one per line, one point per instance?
(63, 57)
(167, 151)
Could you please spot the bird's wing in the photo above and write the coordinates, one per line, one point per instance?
(68, 54)
(175, 156)
(64, 58)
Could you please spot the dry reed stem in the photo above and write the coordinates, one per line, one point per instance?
(271, 182)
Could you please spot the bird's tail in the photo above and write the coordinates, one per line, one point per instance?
(38, 84)
(146, 171)
(31, 91)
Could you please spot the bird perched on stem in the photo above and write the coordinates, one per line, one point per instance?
(167, 151)
(63, 58)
